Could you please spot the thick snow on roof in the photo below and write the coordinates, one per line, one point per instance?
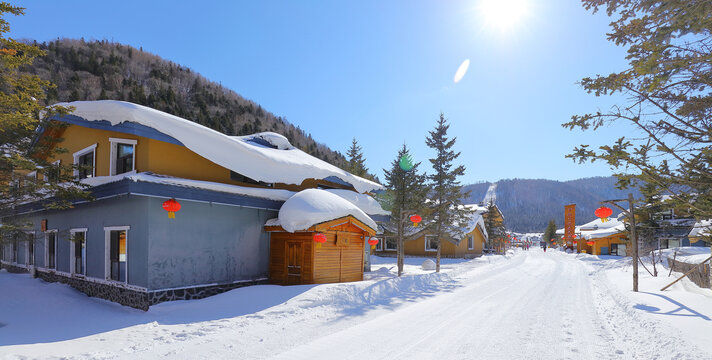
(364, 202)
(314, 206)
(702, 228)
(272, 194)
(613, 226)
(266, 157)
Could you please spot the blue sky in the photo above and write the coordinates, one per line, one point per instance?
(382, 71)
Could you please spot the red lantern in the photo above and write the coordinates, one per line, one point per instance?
(589, 243)
(373, 242)
(415, 219)
(319, 238)
(603, 213)
(171, 205)
(573, 236)
(575, 242)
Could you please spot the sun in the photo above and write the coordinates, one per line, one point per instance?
(503, 15)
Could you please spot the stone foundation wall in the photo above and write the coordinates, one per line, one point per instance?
(127, 297)
(14, 269)
(701, 276)
(198, 292)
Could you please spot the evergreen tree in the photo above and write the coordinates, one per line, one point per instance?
(550, 232)
(449, 214)
(667, 84)
(494, 225)
(21, 113)
(356, 162)
(405, 194)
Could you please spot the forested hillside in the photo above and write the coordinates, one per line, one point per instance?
(93, 70)
(528, 204)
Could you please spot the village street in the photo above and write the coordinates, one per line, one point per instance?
(532, 305)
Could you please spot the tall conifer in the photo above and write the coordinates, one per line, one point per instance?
(406, 194)
(445, 190)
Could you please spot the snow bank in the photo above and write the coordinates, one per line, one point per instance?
(314, 206)
(279, 162)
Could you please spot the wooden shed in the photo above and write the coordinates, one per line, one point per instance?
(295, 258)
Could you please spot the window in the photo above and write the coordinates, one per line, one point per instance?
(78, 251)
(379, 246)
(31, 180)
(123, 156)
(390, 243)
(51, 255)
(30, 249)
(431, 243)
(116, 238)
(52, 172)
(470, 242)
(84, 161)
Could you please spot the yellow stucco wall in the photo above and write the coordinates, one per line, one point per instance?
(416, 247)
(608, 241)
(156, 156)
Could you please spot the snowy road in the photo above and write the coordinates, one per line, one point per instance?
(530, 305)
(537, 306)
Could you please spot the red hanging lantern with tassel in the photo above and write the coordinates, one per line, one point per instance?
(603, 213)
(373, 242)
(319, 238)
(171, 205)
(416, 219)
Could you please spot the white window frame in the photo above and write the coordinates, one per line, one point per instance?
(427, 241)
(82, 152)
(72, 245)
(385, 244)
(470, 237)
(45, 176)
(107, 252)
(112, 154)
(46, 248)
(381, 241)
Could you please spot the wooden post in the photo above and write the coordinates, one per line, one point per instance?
(634, 240)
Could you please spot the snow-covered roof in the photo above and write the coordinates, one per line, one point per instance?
(702, 228)
(266, 157)
(596, 229)
(476, 219)
(315, 206)
(364, 202)
(272, 194)
(612, 227)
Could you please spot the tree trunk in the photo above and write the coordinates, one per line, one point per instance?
(634, 240)
(437, 258)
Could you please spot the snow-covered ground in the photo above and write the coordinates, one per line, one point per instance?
(526, 305)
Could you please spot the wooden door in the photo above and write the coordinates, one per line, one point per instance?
(294, 263)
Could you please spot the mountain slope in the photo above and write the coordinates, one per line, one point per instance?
(97, 70)
(529, 204)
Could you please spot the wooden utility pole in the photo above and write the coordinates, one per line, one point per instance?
(630, 214)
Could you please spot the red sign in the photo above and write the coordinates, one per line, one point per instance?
(569, 221)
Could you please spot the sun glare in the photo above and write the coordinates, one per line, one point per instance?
(504, 15)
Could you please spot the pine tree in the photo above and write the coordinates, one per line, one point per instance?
(550, 232)
(494, 225)
(448, 212)
(22, 112)
(667, 87)
(356, 162)
(405, 193)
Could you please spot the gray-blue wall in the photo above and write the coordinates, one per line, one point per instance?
(117, 211)
(206, 243)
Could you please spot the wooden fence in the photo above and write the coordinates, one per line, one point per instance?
(701, 276)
